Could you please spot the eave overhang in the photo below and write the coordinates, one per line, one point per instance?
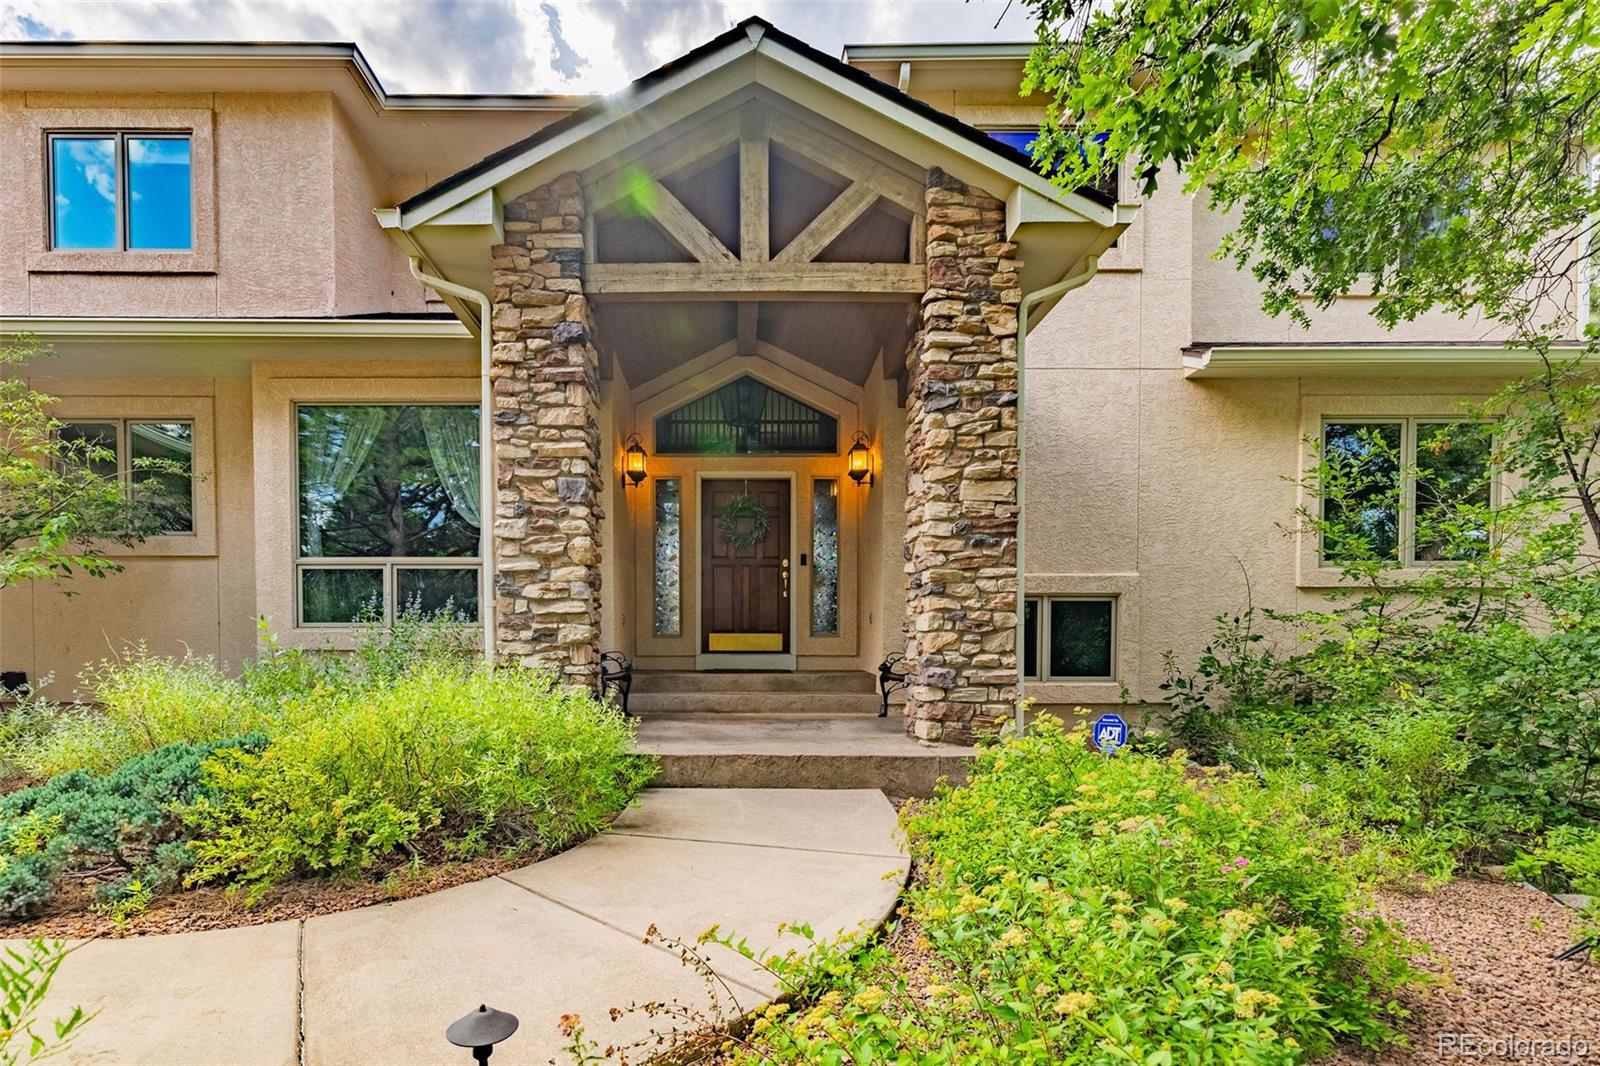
(1365, 360)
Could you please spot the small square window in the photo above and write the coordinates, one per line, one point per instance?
(121, 192)
(1074, 637)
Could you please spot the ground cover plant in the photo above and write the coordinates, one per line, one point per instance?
(1070, 907)
(311, 764)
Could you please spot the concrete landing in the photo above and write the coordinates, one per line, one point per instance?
(564, 936)
(784, 751)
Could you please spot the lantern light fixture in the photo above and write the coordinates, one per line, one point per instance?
(633, 461)
(860, 458)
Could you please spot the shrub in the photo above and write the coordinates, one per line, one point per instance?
(1567, 859)
(1077, 908)
(446, 750)
(145, 702)
(128, 820)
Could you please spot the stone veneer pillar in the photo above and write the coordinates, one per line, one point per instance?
(961, 471)
(546, 377)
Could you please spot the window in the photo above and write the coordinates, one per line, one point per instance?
(746, 417)
(1403, 489)
(1076, 641)
(668, 567)
(388, 511)
(155, 458)
(825, 557)
(1022, 140)
(120, 192)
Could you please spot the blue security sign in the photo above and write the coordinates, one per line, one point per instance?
(1109, 732)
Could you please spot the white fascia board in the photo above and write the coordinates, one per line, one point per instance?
(911, 53)
(1014, 173)
(629, 100)
(214, 328)
(1375, 360)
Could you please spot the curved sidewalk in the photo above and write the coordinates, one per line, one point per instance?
(564, 936)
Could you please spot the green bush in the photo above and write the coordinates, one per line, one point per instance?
(144, 702)
(1078, 908)
(1567, 860)
(446, 750)
(128, 820)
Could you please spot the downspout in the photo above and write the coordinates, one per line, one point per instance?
(1029, 302)
(486, 484)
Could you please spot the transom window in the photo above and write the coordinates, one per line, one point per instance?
(746, 417)
(1073, 636)
(154, 458)
(388, 511)
(1400, 485)
(120, 191)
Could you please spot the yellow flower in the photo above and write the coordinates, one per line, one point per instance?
(1073, 1002)
(1146, 793)
(869, 998)
(1013, 938)
(1173, 903)
(1250, 1001)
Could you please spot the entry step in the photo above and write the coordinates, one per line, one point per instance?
(832, 681)
(755, 701)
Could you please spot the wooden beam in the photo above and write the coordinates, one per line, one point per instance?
(708, 143)
(829, 224)
(810, 149)
(753, 281)
(668, 212)
(748, 311)
(754, 196)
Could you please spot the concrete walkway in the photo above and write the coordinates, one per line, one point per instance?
(379, 985)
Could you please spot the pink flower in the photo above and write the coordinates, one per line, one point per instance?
(1236, 865)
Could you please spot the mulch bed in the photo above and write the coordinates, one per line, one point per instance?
(69, 916)
(1492, 948)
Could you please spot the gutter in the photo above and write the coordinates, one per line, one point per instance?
(486, 484)
(1029, 302)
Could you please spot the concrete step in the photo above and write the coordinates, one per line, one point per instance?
(754, 681)
(787, 751)
(758, 702)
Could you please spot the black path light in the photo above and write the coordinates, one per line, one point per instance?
(481, 1030)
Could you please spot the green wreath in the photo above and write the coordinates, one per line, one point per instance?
(740, 511)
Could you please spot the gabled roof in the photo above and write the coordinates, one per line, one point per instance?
(749, 35)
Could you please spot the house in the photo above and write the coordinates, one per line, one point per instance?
(745, 338)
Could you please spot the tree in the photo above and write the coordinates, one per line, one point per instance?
(58, 514)
(1432, 151)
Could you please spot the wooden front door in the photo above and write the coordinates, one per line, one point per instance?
(744, 588)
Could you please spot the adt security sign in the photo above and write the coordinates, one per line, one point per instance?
(1110, 732)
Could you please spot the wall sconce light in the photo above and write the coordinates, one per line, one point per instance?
(633, 460)
(860, 457)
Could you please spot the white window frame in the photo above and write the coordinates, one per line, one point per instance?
(124, 450)
(1041, 650)
(120, 162)
(1406, 548)
(388, 564)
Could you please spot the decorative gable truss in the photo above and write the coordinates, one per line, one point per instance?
(851, 227)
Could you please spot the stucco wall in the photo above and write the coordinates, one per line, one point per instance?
(193, 594)
(289, 215)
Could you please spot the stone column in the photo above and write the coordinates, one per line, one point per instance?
(961, 471)
(546, 376)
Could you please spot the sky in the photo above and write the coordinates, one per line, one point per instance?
(512, 46)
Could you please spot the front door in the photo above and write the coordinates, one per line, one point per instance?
(744, 566)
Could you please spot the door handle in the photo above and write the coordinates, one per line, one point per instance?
(786, 578)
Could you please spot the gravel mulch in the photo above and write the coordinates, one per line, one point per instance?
(1492, 946)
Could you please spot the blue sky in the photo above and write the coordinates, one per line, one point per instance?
(512, 45)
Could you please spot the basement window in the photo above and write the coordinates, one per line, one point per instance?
(1073, 636)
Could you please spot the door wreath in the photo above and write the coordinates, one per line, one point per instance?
(742, 522)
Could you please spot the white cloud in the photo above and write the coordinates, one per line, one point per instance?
(510, 46)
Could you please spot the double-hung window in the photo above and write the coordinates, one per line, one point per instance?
(1408, 490)
(389, 515)
(120, 191)
(1072, 637)
(153, 457)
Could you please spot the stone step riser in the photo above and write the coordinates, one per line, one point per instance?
(849, 681)
(829, 704)
(897, 776)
